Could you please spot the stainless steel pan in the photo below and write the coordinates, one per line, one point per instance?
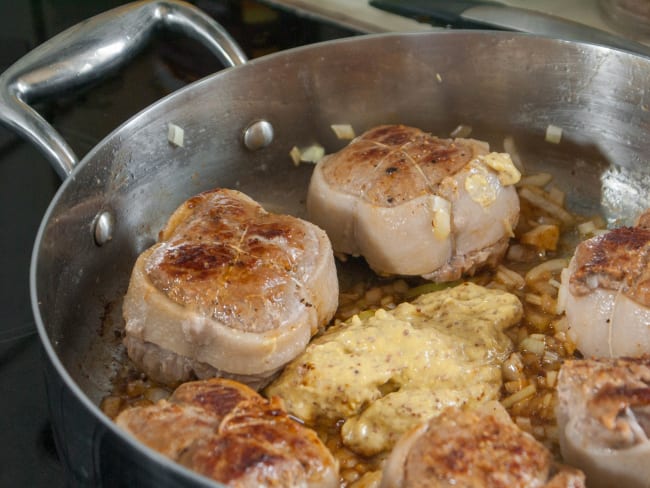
(239, 126)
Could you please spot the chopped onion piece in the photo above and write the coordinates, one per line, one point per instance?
(343, 131)
(533, 344)
(556, 195)
(553, 134)
(155, 394)
(524, 423)
(586, 228)
(533, 298)
(461, 131)
(539, 180)
(175, 134)
(509, 277)
(539, 199)
(546, 268)
(520, 395)
(295, 155)
(441, 222)
(543, 236)
(312, 154)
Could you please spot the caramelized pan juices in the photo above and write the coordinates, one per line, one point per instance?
(526, 366)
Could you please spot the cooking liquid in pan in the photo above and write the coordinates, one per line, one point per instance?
(530, 373)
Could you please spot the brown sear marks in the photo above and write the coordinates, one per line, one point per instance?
(229, 458)
(218, 238)
(619, 259)
(440, 154)
(399, 161)
(612, 399)
(197, 261)
(475, 449)
(391, 135)
(216, 396)
(238, 438)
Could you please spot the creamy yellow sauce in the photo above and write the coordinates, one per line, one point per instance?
(384, 374)
(480, 183)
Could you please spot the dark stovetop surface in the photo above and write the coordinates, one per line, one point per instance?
(27, 184)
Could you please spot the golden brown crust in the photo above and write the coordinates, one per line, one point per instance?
(404, 162)
(216, 396)
(167, 428)
(226, 431)
(606, 390)
(617, 260)
(466, 449)
(225, 256)
(255, 439)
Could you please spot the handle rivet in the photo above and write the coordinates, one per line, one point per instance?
(104, 227)
(258, 135)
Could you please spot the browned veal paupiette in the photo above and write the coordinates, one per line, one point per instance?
(414, 204)
(226, 431)
(229, 290)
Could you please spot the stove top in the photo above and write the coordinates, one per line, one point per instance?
(27, 184)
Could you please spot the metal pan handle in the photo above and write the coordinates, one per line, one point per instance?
(89, 50)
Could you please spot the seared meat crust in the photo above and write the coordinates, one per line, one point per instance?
(229, 290)
(226, 431)
(605, 292)
(230, 260)
(604, 419)
(411, 203)
(391, 164)
(617, 260)
(470, 448)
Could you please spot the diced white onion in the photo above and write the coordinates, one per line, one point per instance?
(533, 344)
(461, 131)
(156, 394)
(175, 134)
(441, 222)
(509, 277)
(544, 236)
(522, 394)
(310, 154)
(295, 155)
(553, 134)
(539, 180)
(547, 267)
(533, 298)
(586, 228)
(556, 195)
(343, 131)
(540, 199)
(524, 423)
